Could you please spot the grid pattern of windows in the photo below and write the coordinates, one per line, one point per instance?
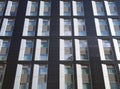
(107, 27)
(44, 8)
(65, 8)
(8, 11)
(59, 44)
(34, 46)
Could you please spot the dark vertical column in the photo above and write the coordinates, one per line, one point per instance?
(118, 62)
(73, 47)
(53, 66)
(95, 64)
(14, 47)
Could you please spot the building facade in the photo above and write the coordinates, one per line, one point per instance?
(59, 44)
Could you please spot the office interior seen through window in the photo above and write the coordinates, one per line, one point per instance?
(59, 44)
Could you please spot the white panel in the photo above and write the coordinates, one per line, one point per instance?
(41, 8)
(119, 66)
(22, 49)
(35, 77)
(77, 49)
(116, 49)
(25, 29)
(101, 49)
(62, 76)
(111, 27)
(18, 77)
(94, 7)
(3, 28)
(61, 8)
(76, 27)
(38, 48)
(61, 49)
(97, 27)
(61, 27)
(8, 9)
(107, 7)
(79, 77)
(28, 10)
(1, 42)
(74, 8)
(40, 27)
(106, 77)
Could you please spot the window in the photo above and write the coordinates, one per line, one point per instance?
(86, 86)
(40, 79)
(22, 77)
(111, 7)
(66, 50)
(101, 27)
(26, 50)
(42, 50)
(32, 8)
(109, 73)
(45, 8)
(85, 71)
(65, 27)
(4, 48)
(32, 27)
(43, 27)
(14, 8)
(114, 85)
(98, 8)
(27, 57)
(79, 27)
(2, 6)
(11, 9)
(29, 27)
(81, 49)
(83, 76)
(65, 8)
(107, 50)
(7, 27)
(111, 70)
(66, 76)
(78, 9)
(114, 26)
